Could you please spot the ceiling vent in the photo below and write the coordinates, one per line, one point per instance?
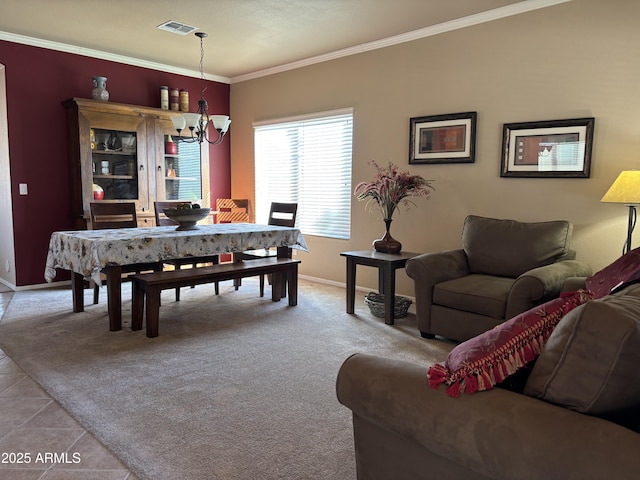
(177, 27)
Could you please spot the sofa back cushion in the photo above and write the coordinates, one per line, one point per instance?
(590, 362)
(509, 248)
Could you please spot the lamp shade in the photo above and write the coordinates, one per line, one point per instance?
(178, 122)
(221, 123)
(192, 120)
(626, 189)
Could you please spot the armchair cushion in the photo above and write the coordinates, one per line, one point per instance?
(509, 248)
(482, 294)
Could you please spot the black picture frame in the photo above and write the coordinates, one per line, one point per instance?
(448, 138)
(548, 149)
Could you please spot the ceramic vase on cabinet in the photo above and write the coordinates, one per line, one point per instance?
(99, 91)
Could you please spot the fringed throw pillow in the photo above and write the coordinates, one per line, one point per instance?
(621, 273)
(486, 360)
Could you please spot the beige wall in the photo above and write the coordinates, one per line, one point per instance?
(572, 60)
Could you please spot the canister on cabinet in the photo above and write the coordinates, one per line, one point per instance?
(184, 100)
(164, 97)
(174, 99)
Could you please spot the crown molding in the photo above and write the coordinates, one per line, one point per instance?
(478, 18)
(111, 57)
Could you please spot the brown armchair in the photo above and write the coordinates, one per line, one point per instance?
(504, 268)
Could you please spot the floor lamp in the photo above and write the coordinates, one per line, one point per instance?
(626, 190)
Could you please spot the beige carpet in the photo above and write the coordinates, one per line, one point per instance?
(235, 386)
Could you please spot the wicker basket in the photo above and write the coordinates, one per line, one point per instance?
(376, 305)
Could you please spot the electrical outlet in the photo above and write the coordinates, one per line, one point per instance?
(23, 189)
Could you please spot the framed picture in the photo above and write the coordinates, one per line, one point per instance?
(557, 148)
(443, 138)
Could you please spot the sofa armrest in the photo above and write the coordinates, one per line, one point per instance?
(542, 284)
(497, 433)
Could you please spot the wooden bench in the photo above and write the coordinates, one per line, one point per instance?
(151, 284)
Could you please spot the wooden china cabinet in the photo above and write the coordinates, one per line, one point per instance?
(118, 154)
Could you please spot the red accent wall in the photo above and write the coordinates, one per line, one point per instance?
(38, 80)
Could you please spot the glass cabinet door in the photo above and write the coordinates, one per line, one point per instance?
(114, 164)
(182, 168)
(183, 171)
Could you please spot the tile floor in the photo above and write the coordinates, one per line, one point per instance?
(32, 423)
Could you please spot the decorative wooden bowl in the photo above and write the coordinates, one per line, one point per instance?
(187, 218)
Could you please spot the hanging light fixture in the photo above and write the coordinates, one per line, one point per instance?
(198, 122)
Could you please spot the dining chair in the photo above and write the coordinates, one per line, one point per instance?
(231, 210)
(280, 214)
(113, 215)
(117, 215)
(177, 263)
(161, 219)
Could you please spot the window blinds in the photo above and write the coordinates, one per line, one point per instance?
(307, 160)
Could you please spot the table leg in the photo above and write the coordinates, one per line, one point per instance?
(276, 286)
(283, 289)
(293, 285)
(389, 288)
(153, 311)
(137, 306)
(282, 252)
(381, 278)
(114, 296)
(77, 292)
(351, 285)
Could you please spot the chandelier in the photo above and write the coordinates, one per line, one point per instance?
(198, 122)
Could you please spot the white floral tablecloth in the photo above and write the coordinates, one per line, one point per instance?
(89, 251)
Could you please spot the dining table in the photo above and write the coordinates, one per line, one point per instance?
(88, 253)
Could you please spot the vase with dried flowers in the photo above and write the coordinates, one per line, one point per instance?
(390, 188)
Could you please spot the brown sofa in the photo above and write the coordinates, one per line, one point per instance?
(578, 417)
(504, 268)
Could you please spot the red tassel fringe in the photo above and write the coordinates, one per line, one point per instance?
(437, 374)
(504, 361)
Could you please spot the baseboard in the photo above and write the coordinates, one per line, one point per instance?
(41, 286)
(10, 286)
(344, 285)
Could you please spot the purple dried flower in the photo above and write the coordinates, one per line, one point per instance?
(391, 187)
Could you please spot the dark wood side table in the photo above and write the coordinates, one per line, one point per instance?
(386, 263)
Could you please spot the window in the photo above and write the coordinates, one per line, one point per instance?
(307, 160)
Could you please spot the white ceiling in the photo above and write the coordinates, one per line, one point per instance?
(247, 38)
